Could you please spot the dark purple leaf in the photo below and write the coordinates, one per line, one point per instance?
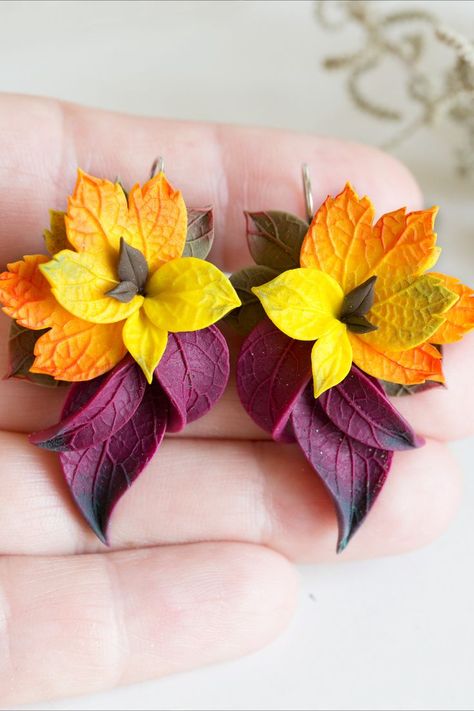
(98, 408)
(200, 234)
(193, 373)
(80, 393)
(99, 475)
(354, 473)
(360, 409)
(272, 370)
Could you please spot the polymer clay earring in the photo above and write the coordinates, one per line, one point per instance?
(338, 312)
(124, 307)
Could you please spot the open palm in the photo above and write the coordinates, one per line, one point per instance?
(198, 569)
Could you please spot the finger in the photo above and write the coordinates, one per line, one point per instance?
(88, 623)
(445, 413)
(258, 492)
(43, 141)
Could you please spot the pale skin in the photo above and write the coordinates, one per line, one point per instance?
(200, 567)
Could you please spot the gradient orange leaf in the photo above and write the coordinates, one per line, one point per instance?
(459, 318)
(97, 216)
(404, 244)
(25, 293)
(405, 367)
(75, 350)
(341, 231)
(342, 241)
(158, 221)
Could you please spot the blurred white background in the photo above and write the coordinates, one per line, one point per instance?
(394, 633)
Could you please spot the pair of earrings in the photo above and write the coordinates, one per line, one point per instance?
(337, 313)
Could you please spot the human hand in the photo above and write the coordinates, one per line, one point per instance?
(198, 568)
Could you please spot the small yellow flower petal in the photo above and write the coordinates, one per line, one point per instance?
(331, 358)
(303, 303)
(410, 315)
(188, 294)
(144, 341)
(80, 281)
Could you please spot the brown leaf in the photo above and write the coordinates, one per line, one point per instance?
(200, 233)
(21, 346)
(132, 266)
(275, 238)
(244, 318)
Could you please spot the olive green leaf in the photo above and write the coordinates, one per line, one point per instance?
(245, 317)
(56, 237)
(21, 346)
(200, 233)
(398, 390)
(275, 238)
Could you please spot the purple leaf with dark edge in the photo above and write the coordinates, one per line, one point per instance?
(360, 409)
(352, 472)
(200, 234)
(272, 371)
(110, 403)
(275, 238)
(193, 373)
(98, 476)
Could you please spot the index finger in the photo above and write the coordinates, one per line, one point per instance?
(44, 141)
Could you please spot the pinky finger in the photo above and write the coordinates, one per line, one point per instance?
(86, 623)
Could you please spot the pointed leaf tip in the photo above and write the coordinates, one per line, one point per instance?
(360, 409)
(98, 476)
(123, 292)
(132, 267)
(353, 473)
(360, 300)
(98, 409)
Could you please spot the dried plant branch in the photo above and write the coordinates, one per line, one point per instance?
(448, 96)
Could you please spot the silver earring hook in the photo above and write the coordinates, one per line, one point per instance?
(308, 194)
(157, 167)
